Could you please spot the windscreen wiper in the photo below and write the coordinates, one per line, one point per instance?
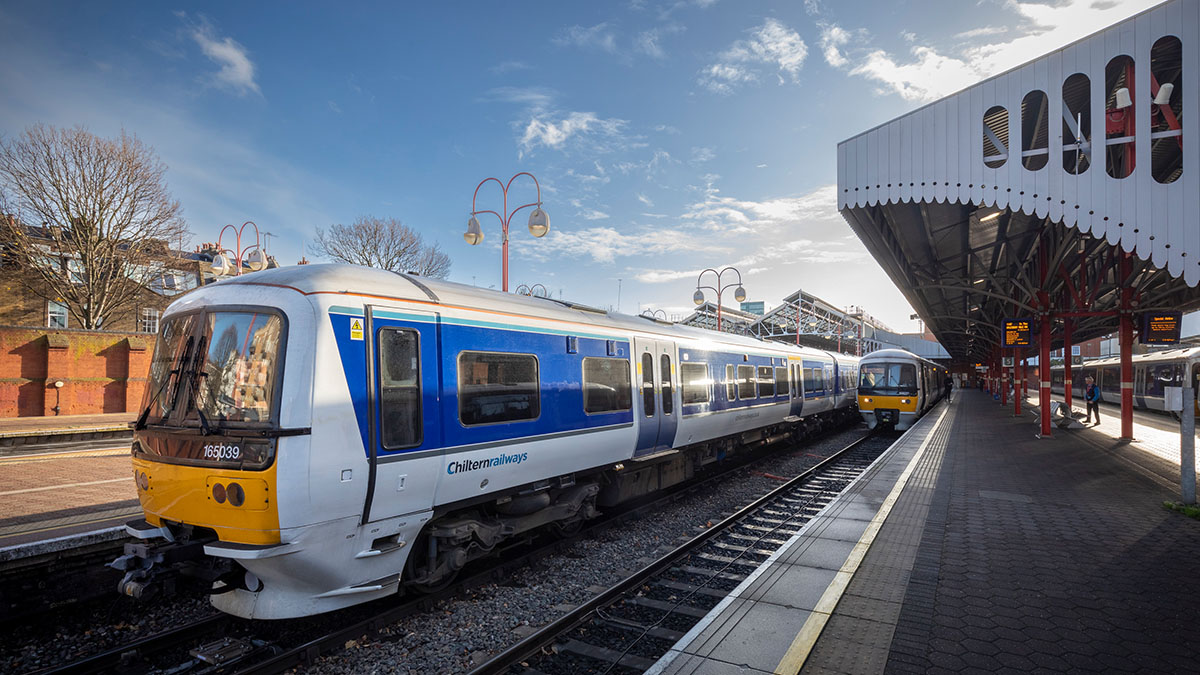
(174, 372)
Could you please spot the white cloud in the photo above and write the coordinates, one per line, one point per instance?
(647, 43)
(643, 199)
(596, 37)
(237, 70)
(605, 244)
(927, 74)
(509, 66)
(701, 155)
(335, 107)
(771, 45)
(543, 131)
(593, 214)
(536, 98)
(832, 39)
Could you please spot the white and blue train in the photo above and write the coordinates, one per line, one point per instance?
(319, 436)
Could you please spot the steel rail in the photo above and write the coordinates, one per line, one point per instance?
(110, 658)
(534, 643)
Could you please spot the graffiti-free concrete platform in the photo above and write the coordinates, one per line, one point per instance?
(972, 545)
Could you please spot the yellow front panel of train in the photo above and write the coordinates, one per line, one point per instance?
(899, 403)
(240, 506)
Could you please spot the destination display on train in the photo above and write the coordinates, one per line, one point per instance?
(1016, 332)
(1161, 328)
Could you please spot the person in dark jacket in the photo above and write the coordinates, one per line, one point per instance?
(1091, 394)
(949, 385)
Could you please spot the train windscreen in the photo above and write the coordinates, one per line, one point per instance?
(887, 379)
(239, 370)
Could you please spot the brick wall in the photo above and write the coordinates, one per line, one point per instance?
(101, 371)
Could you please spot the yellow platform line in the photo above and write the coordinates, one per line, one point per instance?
(806, 639)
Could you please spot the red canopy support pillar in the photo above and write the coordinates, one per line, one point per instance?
(1018, 385)
(1126, 339)
(1044, 375)
(1003, 382)
(1067, 364)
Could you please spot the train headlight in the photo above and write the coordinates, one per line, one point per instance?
(237, 496)
(867, 399)
(905, 401)
(219, 493)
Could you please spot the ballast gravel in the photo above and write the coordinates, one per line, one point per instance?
(462, 633)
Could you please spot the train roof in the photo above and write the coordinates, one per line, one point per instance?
(1179, 354)
(885, 354)
(371, 282)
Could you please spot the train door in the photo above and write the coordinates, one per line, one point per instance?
(657, 381)
(1141, 376)
(797, 375)
(405, 454)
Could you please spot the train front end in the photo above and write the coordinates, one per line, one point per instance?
(220, 448)
(888, 393)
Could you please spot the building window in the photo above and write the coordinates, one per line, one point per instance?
(56, 314)
(496, 388)
(606, 386)
(1166, 109)
(1119, 116)
(995, 137)
(1035, 131)
(149, 321)
(1077, 123)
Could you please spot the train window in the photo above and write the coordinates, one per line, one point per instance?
(1110, 381)
(812, 380)
(730, 384)
(1035, 131)
(1077, 123)
(694, 380)
(781, 382)
(887, 379)
(766, 382)
(745, 382)
(1166, 109)
(1119, 95)
(241, 366)
(668, 400)
(496, 388)
(995, 137)
(399, 388)
(648, 384)
(606, 385)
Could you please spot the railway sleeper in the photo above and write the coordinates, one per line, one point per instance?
(704, 572)
(603, 654)
(658, 632)
(690, 588)
(667, 607)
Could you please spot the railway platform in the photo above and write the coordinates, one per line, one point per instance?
(21, 435)
(972, 545)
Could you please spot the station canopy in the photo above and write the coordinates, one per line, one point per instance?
(1045, 191)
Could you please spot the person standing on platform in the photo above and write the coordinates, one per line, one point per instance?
(1091, 394)
(949, 385)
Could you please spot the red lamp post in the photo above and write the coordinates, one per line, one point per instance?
(255, 259)
(539, 220)
(739, 294)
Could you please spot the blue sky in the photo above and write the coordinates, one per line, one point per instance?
(667, 136)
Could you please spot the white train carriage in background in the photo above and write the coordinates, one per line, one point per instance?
(319, 436)
(1152, 373)
(896, 387)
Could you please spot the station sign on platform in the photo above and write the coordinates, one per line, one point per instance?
(1161, 328)
(1017, 332)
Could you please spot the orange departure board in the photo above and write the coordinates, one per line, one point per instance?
(1016, 332)
(1160, 328)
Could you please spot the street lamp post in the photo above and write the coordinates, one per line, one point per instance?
(739, 294)
(539, 221)
(254, 257)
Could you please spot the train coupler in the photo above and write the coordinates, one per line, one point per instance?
(153, 567)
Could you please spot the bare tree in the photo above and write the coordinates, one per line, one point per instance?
(91, 218)
(385, 243)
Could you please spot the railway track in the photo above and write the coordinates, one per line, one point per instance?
(628, 627)
(225, 644)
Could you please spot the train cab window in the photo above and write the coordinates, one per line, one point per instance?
(887, 379)
(1110, 381)
(494, 387)
(766, 382)
(648, 384)
(745, 382)
(606, 385)
(781, 382)
(694, 380)
(399, 388)
(668, 400)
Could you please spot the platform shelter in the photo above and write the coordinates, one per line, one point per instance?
(1064, 192)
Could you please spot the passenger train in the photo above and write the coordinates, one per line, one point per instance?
(318, 436)
(1151, 374)
(895, 387)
